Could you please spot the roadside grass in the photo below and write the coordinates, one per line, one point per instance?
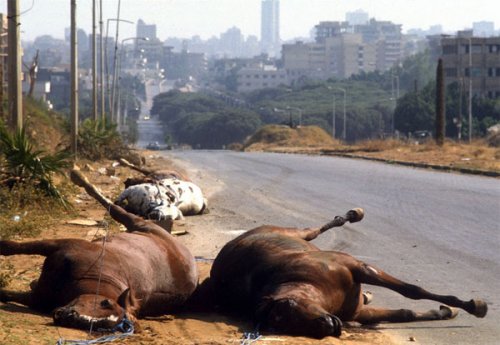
(26, 210)
(480, 154)
(476, 155)
(284, 136)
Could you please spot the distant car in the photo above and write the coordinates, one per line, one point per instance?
(153, 146)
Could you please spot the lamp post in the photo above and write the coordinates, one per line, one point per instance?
(333, 111)
(116, 104)
(394, 98)
(106, 57)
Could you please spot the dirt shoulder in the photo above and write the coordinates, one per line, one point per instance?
(474, 158)
(19, 325)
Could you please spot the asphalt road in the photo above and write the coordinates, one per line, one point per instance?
(434, 229)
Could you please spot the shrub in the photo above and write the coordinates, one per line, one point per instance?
(23, 164)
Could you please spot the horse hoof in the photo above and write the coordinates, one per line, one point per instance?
(367, 297)
(355, 215)
(448, 312)
(480, 308)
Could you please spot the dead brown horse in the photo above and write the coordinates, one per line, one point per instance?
(287, 285)
(142, 272)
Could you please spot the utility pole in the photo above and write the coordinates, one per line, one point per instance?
(94, 62)
(115, 67)
(74, 80)
(15, 90)
(470, 90)
(103, 103)
(333, 117)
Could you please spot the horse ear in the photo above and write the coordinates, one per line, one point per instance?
(126, 300)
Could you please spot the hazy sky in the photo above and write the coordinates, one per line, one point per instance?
(185, 18)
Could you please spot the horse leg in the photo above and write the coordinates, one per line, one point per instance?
(129, 220)
(308, 234)
(43, 247)
(366, 274)
(24, 298)
(116, 212)
(375, 315)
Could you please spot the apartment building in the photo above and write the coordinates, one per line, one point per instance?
(469, 58)
(259, 77)
(341, 49)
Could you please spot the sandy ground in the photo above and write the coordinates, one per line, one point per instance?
(19, 325)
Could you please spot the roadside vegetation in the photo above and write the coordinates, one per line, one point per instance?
(34, 189)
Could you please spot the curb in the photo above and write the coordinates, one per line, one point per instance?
(416, 165)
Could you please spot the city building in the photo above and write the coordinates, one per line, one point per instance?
(387, 38)
(358, 17)
(341, 50)
(270, 27)
(475, 59)
(259, 77)
(147, 44)
(146, 30)
(483, 29)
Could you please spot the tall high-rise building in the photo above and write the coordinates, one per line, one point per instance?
(270, 27)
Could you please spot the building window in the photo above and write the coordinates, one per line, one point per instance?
(256, 76)
(264, 76)
(450, 72)
(497, 71)
(493, 48)
(477, 49)
(476, 72)
(448, 50)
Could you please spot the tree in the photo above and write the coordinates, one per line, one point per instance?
(413, 112)
(440, 103)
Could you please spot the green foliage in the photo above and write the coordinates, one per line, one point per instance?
(99, 139)
(213, 131)
(203, 121)
(413, 113)
(22, 164)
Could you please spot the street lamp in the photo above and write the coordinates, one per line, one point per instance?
(333, 112)
(117, 71)
(106, 56)
(394, 98)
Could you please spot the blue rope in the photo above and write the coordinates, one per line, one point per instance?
(125, 327)
(250, 338)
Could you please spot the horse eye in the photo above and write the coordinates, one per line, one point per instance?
(105, 303)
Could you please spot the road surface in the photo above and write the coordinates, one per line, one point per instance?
(434, 229)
